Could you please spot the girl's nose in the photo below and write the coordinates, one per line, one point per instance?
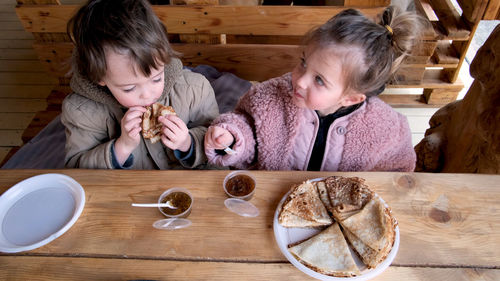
(301, 82)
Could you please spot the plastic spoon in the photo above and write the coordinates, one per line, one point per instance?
(168, 204)
(229, 150)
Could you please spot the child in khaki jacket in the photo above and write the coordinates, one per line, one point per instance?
(123, 63)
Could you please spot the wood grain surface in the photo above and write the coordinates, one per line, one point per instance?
(446, 220)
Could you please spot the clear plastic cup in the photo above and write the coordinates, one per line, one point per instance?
(179, 197)
(240, 185)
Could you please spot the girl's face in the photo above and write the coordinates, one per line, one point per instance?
(127, 83)
(318, 82)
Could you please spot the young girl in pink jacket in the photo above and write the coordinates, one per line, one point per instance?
(325, 115)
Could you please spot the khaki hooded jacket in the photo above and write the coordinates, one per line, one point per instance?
(92, 119)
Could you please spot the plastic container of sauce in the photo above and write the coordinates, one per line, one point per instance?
(240, 184)
(180, 198)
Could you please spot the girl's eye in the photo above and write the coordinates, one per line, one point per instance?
(319, 80)
(156, 80)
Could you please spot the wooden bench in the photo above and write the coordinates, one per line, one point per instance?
(260, 42)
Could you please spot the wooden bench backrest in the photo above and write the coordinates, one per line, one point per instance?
(260, 42)
(254, 42)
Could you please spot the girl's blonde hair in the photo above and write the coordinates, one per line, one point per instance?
(371, 52)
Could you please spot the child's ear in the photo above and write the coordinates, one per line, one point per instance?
(101, 83)
(352, 98)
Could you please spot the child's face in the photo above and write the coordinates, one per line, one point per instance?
(318, 82)
(127, 83)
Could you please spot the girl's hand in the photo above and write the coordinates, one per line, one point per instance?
(217, 138)
(175, 134)
(130, 135)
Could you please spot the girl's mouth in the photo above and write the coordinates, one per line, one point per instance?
(297, 95)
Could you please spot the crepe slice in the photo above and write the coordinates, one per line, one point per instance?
(374, 227)
(151, 128)
(327, 253)
(347, 196)
(303, 208)
(323, 194)
(370, 257)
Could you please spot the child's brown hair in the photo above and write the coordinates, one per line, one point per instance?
(370, 52)
(125, 26)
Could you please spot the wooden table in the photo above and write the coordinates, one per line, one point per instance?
(449, 226)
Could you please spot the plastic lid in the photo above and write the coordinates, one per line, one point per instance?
(241, 207)
(172, 223)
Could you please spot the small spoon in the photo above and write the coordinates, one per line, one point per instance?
(229, 150)
(168, 204)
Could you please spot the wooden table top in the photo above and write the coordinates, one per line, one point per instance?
(449, 227)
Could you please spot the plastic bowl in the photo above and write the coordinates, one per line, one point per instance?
(177, 201)
(240, 185)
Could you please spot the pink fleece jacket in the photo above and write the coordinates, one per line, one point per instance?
(272, 133)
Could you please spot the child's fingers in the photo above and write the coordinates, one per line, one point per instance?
(134, 132)
(224, 138)
(171, 121)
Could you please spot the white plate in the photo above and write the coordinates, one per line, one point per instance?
(37, 210)
(285, 236)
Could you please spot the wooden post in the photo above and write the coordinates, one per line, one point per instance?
(464, 135)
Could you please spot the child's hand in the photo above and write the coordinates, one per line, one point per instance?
(217, 138)
(175, 134)
(130, 136)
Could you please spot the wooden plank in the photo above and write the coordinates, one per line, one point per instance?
(409, 75)
(4, 151)
(432, 79)
(25, 91)
(243, 60)
(15, 43)
(26, 78)
(21, 66)
(405, 101)
(367, 3)
(16, 34)
(263, 39)
(254, 62)
(85, 268)
(15, 120)
(11, 25)
(11, 137)
(256, 20)
(473, 10)
(446, 54)
(492, 11)
(437, 228)
(18, 54)
(450, 18)
(440, 96)
(22, 105)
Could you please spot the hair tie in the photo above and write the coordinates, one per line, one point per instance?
(389, 29)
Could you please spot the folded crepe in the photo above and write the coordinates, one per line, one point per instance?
(347, 196)
(371, 232)
(304, 208)
(327, 253)
(151, 128)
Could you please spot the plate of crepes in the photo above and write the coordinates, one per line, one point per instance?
(336, 228)
(151, 128)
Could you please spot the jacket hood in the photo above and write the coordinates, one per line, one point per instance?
(100, 94)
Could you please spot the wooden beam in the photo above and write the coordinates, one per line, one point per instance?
(256, 20)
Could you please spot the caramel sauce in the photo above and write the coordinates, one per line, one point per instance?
(240, 185)
(178, 199)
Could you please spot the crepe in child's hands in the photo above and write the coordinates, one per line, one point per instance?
(151, 128)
